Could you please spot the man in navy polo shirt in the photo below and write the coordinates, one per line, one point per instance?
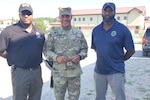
(22, 45)
(109, 39)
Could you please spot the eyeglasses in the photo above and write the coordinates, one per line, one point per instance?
(26, 12)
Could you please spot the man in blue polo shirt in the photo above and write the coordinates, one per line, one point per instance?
(109, 39)
(22, 45)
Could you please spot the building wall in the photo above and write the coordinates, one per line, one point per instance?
(121, 18)
(86, 20)
(134, 20)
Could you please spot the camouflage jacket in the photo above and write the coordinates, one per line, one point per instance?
(66, 43)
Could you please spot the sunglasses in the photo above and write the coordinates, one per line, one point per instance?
(26, 12)
(65, 16)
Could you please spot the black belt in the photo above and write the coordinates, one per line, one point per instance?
(30, 69)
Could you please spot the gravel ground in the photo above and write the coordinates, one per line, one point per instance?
(137, 79)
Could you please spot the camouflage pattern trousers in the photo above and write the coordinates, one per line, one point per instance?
(70, 84)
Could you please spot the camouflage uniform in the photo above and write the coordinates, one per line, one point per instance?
(66, 43)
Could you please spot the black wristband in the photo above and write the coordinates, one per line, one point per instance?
(80, 57)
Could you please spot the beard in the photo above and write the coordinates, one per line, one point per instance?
(24, 24)
(108, 20)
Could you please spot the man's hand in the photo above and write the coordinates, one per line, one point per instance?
(61, 59)
(3, 54)
(75, 58)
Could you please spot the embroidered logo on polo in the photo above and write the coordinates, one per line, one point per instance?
(113, 33)
(38, 35)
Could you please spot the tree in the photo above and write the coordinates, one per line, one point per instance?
(40, 22)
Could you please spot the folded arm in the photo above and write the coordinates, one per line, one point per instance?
(128, 54)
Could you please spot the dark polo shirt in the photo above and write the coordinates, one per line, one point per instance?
(24, 49)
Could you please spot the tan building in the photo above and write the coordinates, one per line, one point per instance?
(132, 17)
(147, 22)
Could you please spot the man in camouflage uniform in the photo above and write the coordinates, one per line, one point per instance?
(66, 46)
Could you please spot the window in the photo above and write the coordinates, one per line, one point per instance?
(79, 19)
(125, 17)
(136, 27)
(147, 32)
(83, 19)
(118, 18)
(91, 19)
(75, 19)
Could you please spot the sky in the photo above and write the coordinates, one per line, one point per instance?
(49, 8)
